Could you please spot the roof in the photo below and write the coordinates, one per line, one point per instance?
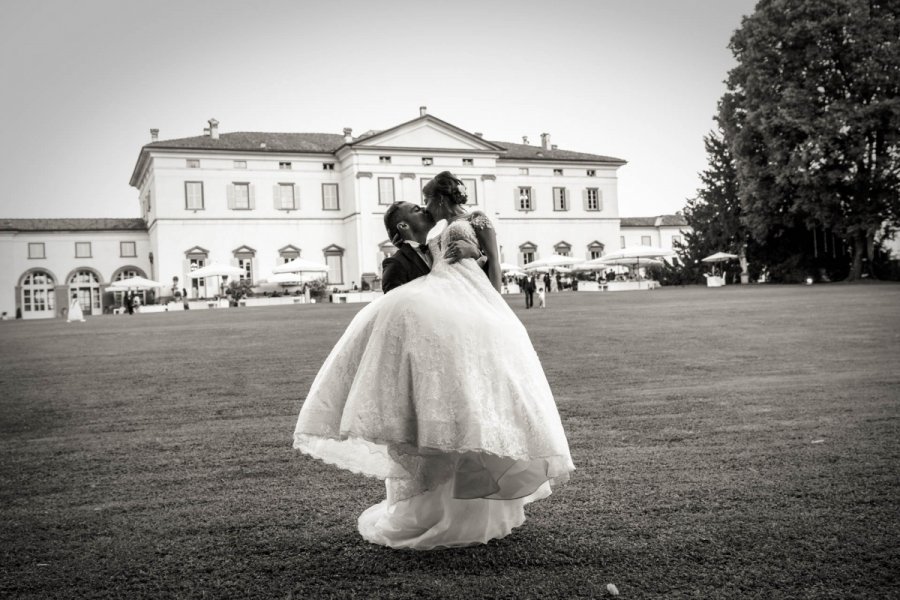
(73, 225)
(329, 142)
(659, 221)
(253, 140)
(529, 152)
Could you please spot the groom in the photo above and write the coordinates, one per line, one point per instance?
(407, 226)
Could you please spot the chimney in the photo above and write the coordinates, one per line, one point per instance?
(154, 135)
(524, 139)
(545, 141)
(213, 129)
(479, 134)
(423, 110)
(348, 135)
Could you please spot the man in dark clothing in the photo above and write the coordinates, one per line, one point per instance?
(407, 225)
(528, 287)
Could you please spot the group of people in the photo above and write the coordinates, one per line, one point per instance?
(436, 389)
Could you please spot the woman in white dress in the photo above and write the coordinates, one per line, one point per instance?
(75, 312)
(436, 388)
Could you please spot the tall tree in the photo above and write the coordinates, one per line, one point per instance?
(715, 213)
(812, 117)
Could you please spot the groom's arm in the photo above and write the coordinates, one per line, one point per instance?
(393, 274)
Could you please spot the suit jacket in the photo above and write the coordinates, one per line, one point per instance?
(529, 285)
(404, 266)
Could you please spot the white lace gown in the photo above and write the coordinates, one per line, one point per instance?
(436, 388)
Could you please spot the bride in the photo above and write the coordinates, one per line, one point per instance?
(436, 389)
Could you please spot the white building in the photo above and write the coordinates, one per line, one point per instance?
(255, 200)
(664, 231)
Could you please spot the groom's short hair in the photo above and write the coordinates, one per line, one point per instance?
(392, 218)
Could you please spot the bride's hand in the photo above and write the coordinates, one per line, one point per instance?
(460, 249)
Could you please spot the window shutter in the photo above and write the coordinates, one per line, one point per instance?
(229, 192)
(252, 194)
(599, 199)
(584, 199)
(296, 191)
(532, 199)
(276, 196)
(565, 199)
(516, 205)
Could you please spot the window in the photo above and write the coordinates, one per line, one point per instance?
(240, 164)
(193, 163)
(471, 190)
(557, 171)
(563, 249)
(330, 199)
(246, 267)
(240, 196)
(591, 199)
(595, 250)
(676, 240)
(527, 252)
(328, 166)
(38, 293)
(523, 170)
(560, 199)
(591, 173)
(82, 249)
(385, 190)
(524, 197)
(468, 162)
(427, 161)
(334, 258)
(288, 253)
(127, 249)
(621, 241)
(284, 166)
(36, 250)
(193, 195)
(285, 198)
(384, 160)
(85, 285)
(195, 263)
(645, 240)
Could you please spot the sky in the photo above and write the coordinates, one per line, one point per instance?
(83, 82)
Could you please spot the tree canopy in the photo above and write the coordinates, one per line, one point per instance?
(812, 119)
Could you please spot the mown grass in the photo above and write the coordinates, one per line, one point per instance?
(732, 443)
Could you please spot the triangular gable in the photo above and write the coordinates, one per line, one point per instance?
(333, 249)
(243, 250)
(430, 133)
(289, 248)
(196, 250)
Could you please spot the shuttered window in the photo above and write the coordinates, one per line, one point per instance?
(240, 196)
(471, 191)
(592, 199)
(285, 196)
(524, 197)
(330, 200)
(193, 195)
(385, 190)
(560, 198)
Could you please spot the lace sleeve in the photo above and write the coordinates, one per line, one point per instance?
(480, 221)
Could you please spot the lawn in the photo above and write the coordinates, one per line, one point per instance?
(741, 442)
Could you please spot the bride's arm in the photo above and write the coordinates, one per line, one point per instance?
(487, 239)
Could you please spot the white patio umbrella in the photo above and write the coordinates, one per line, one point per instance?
(301, 265)
(133, 283)
(507, 267)
(719, 257)
(624, 262)
(641, 252)
(289, 278)
(552, 261)
(216, 270)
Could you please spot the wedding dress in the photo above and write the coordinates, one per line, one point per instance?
(436, 389)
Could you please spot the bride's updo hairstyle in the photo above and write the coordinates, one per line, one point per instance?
(448, 187)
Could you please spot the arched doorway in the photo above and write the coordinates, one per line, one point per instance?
(37, 294)
(125, 273)
(84, 284)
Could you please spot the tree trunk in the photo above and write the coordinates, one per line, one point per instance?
(859, 250)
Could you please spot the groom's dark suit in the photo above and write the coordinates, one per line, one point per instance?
(404, 266)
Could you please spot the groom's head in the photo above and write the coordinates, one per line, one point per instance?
(409, 221)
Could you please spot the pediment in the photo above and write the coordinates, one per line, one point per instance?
(243, 250)
(428, 133)
(195, 251)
